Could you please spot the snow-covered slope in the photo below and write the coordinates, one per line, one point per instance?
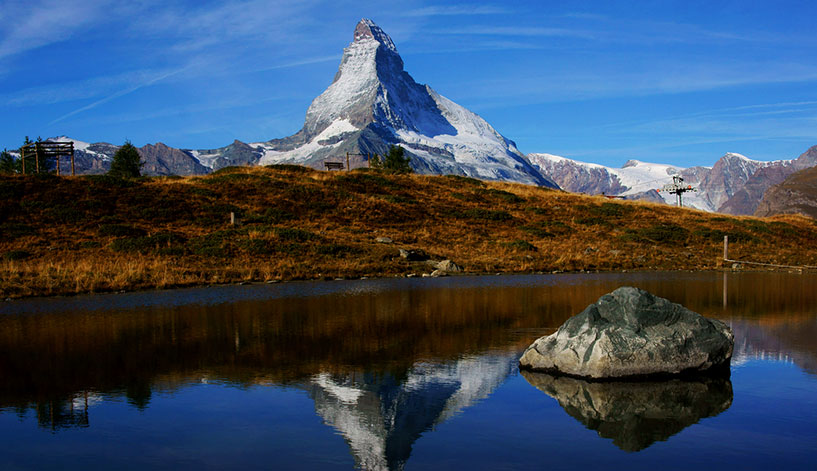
(373, 103)
(635, 179)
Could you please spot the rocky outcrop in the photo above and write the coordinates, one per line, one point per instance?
(629, 333)
(635, 414)
(160, 159)
(795, 195)
(747, 199)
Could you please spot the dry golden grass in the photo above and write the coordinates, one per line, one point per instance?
(89, 234)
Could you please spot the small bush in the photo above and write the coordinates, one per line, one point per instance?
(298, 235)
(465, 180)
(397, 199)
(13, 231)
(593, 221)
(291, 168)
(109, 181)
(537, 231)
(334, 250)
(522, 245)
(478, 213)
(505, 196)
(611, 210)
(16, 255)
(120, 230)
(155, 243)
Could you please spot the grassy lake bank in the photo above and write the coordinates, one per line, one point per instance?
(71, 235)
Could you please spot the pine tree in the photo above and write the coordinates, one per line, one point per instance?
(395, 162)
(126, 162)
(8, 164)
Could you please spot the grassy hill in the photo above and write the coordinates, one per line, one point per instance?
(65, 235)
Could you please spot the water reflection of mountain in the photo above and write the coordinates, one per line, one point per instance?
(791, 342)
(636, 414)
(381, 416)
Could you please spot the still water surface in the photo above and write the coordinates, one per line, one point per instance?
(395, 374)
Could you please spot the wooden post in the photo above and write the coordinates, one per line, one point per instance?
(72, 159)
(58, 164)
(232, 218)
(37, 156)
(23, 158)
(347, 162)
(725, 247)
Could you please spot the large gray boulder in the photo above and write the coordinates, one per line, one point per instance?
(630, 332)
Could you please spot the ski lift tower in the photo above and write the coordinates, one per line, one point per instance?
(678, 188)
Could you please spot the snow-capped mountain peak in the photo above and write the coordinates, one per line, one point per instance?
(373, 103)
(366, 29)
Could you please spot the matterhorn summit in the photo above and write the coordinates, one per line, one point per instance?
(373, 103)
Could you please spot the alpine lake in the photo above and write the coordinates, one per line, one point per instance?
(396, 374)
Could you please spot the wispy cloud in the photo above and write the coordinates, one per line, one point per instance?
(31, 24)
(119, 94)
(458, 10)
(517, 31)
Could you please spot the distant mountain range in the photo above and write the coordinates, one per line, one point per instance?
(373, 103)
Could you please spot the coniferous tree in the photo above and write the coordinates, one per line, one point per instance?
(395, 162)
(8, 164)
(126, 162)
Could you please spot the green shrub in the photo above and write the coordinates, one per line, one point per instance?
(14, 230)
(291, 168)
(155, 243)
(299, 235)
(502, 195)
(478, 213)
(537, 231)
(109, 181)
(120, 230)
(465, 180)
(522, 245)
(16, 255)
(334, 250)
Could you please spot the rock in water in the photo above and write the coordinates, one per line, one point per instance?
(630, 332)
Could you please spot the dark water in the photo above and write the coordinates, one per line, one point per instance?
(394, 374)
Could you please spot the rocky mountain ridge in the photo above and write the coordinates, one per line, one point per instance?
(373, 103)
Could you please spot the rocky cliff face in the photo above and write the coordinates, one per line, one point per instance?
(160, 159)
(746, 199)
(797, 194)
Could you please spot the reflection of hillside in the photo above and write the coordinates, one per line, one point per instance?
(50, 357)
(381, 416)
(636, 414)
(124, 345)
(794, 342)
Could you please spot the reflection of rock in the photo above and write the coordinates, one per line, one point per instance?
(636, 414)
(381, 416)
(630, 332)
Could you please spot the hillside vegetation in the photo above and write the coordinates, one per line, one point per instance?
(66, 235)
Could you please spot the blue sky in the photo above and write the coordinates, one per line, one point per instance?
(676, 82)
